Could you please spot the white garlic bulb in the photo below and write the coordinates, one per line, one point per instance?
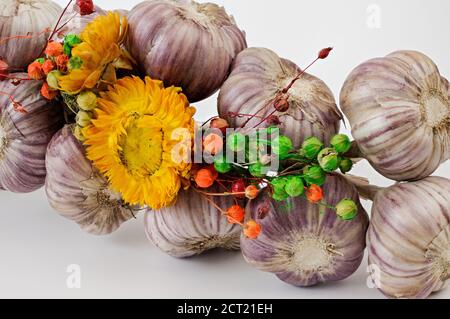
(28, 19)
(77, 191)
(409, 237)
(184, 43)
(257, 76)
(399, 110)
(192, 226)
(24, 136)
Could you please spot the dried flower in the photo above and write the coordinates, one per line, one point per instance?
(61, 62)
(213, 144)
(35, 71)
(87, 100)
(47, 92)
(347, 209)
(341, 143)
(235, 214)
(239, 187)
(324, 53)
(251, 192)
(54, 49)
(314, 194)
(85, 7)
(252, 229)
(52, 79)
(47, 66)
(220, 124)
(311, 147)
(204, 178)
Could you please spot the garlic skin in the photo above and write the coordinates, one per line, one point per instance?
(24, 136)
(305, 244)
(399, 110)
(22, 18)
(77, 22)
(409, 238)
(257, 76)
(192, 226)
(77, 191)
(184, 43)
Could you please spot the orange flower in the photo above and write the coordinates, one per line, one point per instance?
(54, 49)
(251, 192)
(35, 71)
(205, 178)
(61, 62)
(213, 144)
(48, 66)
(252, 229)
(314, 194)
(48, 93)
(236, 215)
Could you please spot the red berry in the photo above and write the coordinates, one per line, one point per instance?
(239, 187)
(324, 53)
(85, 7)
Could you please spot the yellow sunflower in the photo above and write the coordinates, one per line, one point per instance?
(135, 140)
(99, 49)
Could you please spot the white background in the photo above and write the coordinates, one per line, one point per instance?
(37, 246)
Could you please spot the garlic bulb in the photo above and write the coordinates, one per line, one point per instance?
(305, 244)
(184, 43)
(399, 110)
(257, 76)
(77, 191)
(24, 136)
(409, 238)
(192, 226)
(29, 19)
(76, 22)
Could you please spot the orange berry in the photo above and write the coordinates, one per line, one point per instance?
(251, 192)
(54, 49)
(48, 66)
(252, 229)
(61, 62)
(35, 71)
(213, 144)
(48, 93)
(204, 178)
(236, 215)
(219, 124)
(314, 194)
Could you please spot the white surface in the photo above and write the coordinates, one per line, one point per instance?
(37, 246)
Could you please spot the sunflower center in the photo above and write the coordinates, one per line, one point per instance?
(141, 147)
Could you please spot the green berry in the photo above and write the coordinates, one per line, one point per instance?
(311, 147)
(67, 49)
(279, 184)
(347, 209)
(72, 40)
(282, 146)
(222, 166)
(257, 170)
(294, 186)
(236, 142)
(341, 143)
(40, 60)
(314, 175)
(75, 63)
(280, 197)
(328, 159)
(346, 165)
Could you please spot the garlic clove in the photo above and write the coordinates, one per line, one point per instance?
(399, 110)
(24, 136)
(257, 76)
(305, 244)
(192, 226)
(78, 192)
